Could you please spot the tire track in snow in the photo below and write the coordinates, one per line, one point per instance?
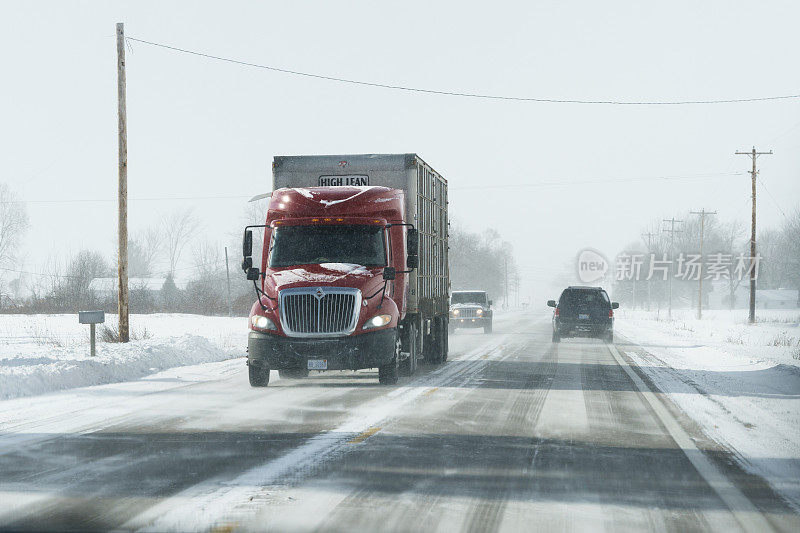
(222, 502)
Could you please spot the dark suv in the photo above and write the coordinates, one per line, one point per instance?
(584, 311)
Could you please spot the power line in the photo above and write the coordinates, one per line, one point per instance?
(151, 274)
(104, 200)
(770, 195)
(459, 93)
(507, 186)
(40, 274)
(600, 181)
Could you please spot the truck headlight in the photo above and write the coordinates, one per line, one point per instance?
(377, 321)
(263, 323)
(455, 312)
(480, 312)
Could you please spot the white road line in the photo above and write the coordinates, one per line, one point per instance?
(745, 512)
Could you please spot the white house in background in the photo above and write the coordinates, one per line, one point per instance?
(108, 286)
(776, 298)
(719, 296)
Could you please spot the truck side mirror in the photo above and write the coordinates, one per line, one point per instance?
(551, 303)
(389, 273)
(614, 305)
(253, 274)
(412, 241)
(247, 263)
(490, 303)
(247, 243)
(412, 248)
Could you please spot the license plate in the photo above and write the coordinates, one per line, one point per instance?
(317, 364)
(581, 316)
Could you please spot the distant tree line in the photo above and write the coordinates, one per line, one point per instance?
(779, 265)
(172, 269)
(482, 261)
(160, 279)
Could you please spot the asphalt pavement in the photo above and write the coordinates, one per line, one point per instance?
(512, 433)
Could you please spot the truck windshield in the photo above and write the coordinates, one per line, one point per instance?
(468, 298)
(306, 245)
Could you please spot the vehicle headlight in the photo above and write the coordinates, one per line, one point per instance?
(455, 312)
(480, 311)
(262, 323)
(377, 321)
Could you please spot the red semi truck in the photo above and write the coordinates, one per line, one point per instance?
(354, 268)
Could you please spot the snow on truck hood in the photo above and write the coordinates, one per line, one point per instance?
(329, 197)
(340, 274)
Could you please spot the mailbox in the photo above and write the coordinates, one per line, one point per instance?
(91, 317)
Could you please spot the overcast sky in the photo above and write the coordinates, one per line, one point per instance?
(198, 127)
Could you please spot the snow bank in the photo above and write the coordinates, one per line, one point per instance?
(740, 382)
(45, 353)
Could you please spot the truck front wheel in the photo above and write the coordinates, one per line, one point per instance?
(259, 375)
(387, 374)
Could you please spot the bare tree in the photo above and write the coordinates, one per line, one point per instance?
(208, 259)
(790, 233)
(149, 244)
(733, 239)
(176, 229)
(478, 261)
(13, 223)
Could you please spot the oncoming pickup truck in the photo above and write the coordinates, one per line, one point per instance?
(470, 309)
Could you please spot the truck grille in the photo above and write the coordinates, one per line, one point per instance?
(469, 312)
(318, 311)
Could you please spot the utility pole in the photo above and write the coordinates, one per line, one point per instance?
(650, 253)
(228, 272)
(671, 253)
(122, 303)
(753, 173)
(506, 291)
(702, 214)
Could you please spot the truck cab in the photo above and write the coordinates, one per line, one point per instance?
(338, 282)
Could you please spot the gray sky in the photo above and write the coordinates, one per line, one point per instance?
(203, 128)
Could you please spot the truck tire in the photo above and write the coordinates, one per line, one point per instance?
(433, 348)
(441, 341)
(259, 375)
(408, 365)
(445, 339)
(294, 373)
(387, 374)
(488, 329)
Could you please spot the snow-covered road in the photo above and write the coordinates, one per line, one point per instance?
(512, 433)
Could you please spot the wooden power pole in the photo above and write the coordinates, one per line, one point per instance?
(671, 253)
(702, 214)
(228, 274)
(122, 304)
(753, 173)
(649, 258)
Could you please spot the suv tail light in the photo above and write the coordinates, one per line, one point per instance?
(556, 311)
(610, 313)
